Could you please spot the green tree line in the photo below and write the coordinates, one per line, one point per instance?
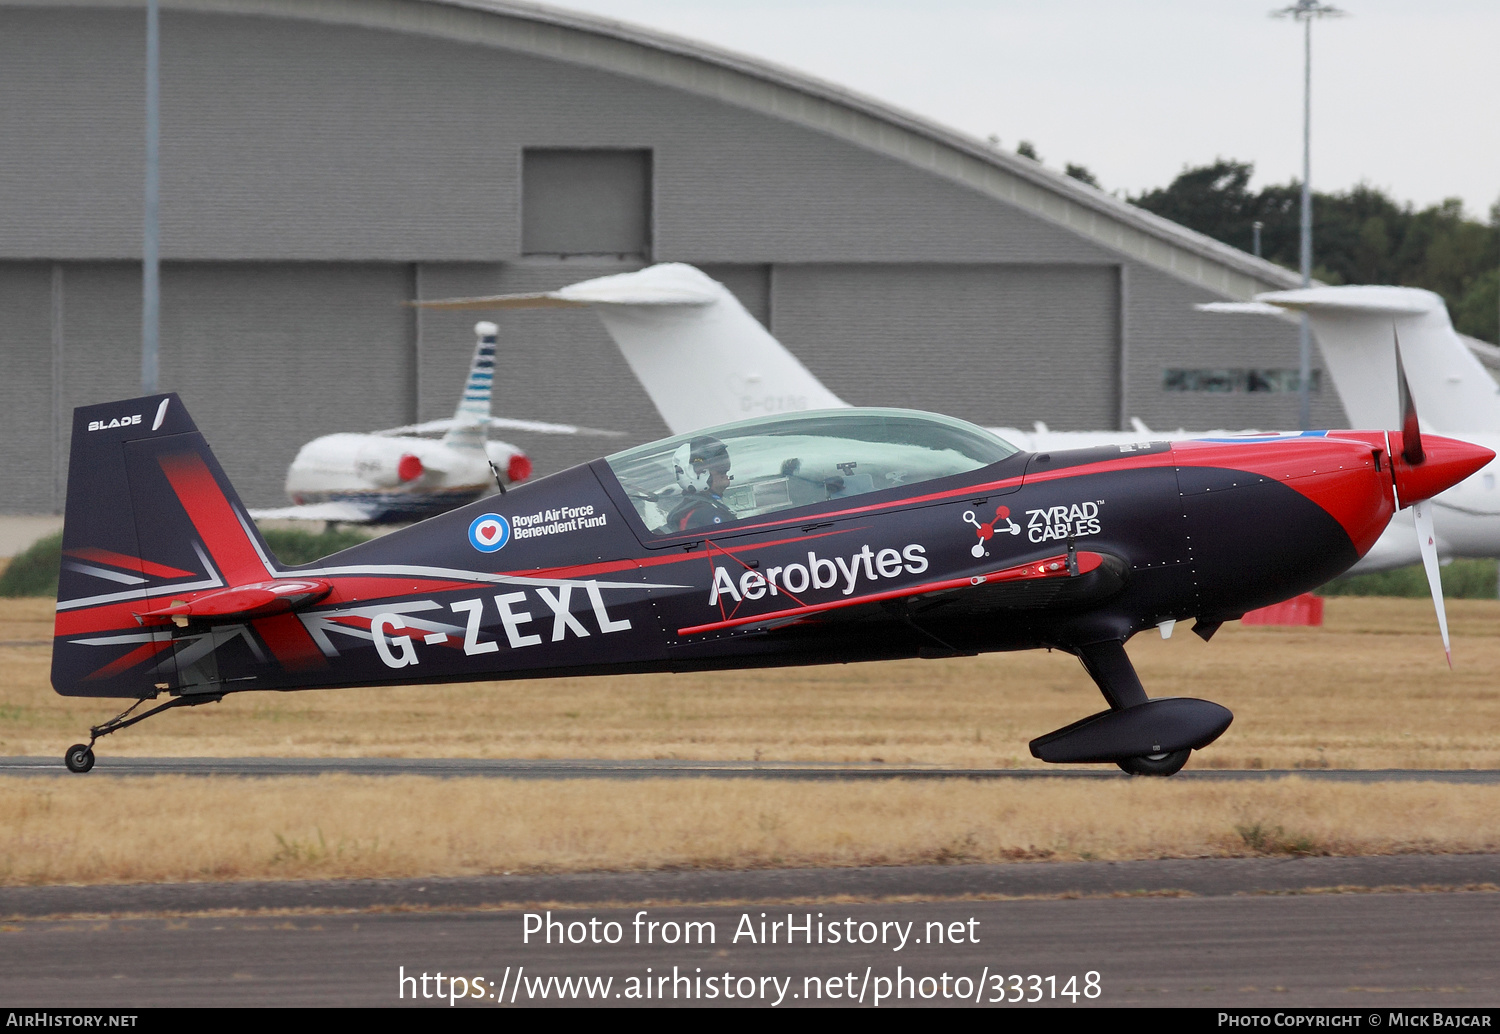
(1360, 236)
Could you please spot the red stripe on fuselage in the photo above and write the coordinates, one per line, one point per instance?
(1128, 462)
(610, 566)
(361, 588)
(1035, 569)
(213, 518)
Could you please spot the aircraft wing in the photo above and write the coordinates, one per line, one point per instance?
(1250, 308)
(435, 428)
(341, 513)
(667, 284)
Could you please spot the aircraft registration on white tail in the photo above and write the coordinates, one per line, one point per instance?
(418, 471)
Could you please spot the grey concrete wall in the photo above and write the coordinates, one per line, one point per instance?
(1164, 331)
(270, 355)
(298, 140)
(266, 356)
(995, 344)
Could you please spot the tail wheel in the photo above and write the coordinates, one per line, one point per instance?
(1156, 764)
(79, 758)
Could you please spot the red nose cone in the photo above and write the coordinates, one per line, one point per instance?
(409, 468)
(519, 467)
(1446, 462)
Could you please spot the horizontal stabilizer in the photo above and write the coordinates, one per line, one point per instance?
(435, 428)
(667, 284)
(240, 603)
(1251, 308)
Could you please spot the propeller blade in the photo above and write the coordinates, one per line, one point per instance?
(1427, 543)
(1411, 434)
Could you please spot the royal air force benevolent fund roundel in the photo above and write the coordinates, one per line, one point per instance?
(489, 532)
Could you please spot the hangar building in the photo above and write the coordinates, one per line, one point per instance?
(325, 161)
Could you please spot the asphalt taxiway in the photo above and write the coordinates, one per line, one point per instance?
(1205, 932)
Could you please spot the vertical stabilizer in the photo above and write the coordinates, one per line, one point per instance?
(472, 417)
(703, 363)
(150, 515)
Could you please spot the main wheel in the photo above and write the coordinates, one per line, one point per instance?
(1156, 764)
(79, 758)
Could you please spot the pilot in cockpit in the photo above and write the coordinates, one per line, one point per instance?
(702, 469)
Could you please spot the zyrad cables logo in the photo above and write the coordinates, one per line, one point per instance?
(489, 532)
(1063, 522)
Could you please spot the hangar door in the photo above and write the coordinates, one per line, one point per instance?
(270, 355)
(266, 356)
(1000, 345)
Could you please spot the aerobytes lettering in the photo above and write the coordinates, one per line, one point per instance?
(123, 421)
(817, 573)
(1063, 522)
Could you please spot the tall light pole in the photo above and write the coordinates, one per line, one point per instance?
(1305, 11)
(150, 236)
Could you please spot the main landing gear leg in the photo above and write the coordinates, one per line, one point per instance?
(1111, 670)
(1142, 736)
(80, 756)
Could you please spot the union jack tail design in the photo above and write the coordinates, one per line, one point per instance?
(151, 518)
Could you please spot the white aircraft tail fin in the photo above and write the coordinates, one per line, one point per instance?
(1355, 327)
(471, 420)
(702, 358)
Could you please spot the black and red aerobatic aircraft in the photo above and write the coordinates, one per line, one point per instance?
(809, 538)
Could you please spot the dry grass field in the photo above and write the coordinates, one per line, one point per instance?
(173, 828)
(1368, 690)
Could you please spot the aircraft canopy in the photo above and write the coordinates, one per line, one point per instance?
(792, 460)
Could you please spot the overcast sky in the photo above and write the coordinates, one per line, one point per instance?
(1406, 96)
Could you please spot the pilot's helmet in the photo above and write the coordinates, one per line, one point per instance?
(694, 461)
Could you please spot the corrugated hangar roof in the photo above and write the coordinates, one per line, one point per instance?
(769, 89)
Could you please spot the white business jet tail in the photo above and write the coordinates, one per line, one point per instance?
(471, 420)
(699, 355)
(1354, 325)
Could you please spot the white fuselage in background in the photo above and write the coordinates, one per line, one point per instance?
(397, 478)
